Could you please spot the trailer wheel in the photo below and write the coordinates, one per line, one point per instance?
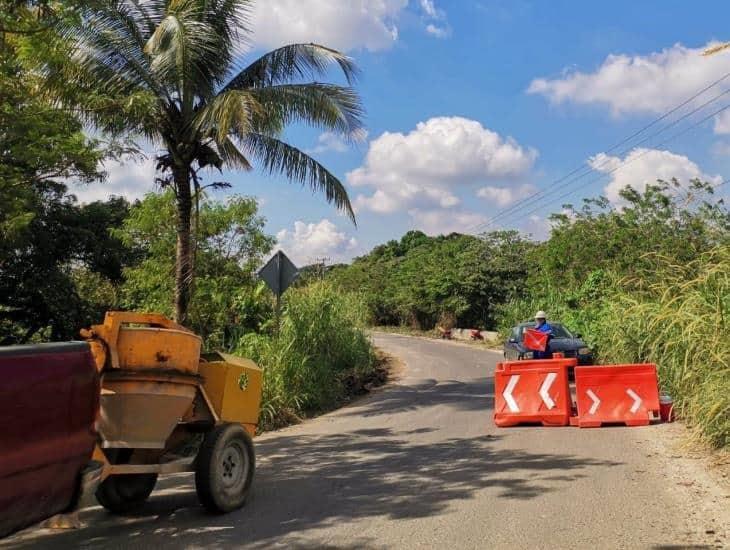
(123, 493)
(224, 468)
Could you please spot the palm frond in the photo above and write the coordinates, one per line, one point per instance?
(326, 106)
(232, 155)
(108, 48)
(278, 157)
(230, 20)
(296, 61)
(197, 41)
(232, 111)
(183, 52)
(148, 13)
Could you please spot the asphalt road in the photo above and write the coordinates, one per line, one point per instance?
(419, 464)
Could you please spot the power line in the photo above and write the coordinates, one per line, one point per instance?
(634, 159)
(538, 195)
(499, 215)
(535, 196)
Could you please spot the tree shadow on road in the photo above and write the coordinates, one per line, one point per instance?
(469, 395)
(310, 482)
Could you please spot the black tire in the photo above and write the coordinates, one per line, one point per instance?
(224, 468)
(124, 493)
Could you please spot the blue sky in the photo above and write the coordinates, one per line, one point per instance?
(473, 104)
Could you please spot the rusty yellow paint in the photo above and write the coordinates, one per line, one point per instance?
(233, 385)
(142, 341)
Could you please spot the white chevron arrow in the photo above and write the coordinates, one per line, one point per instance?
(507, 393)
(596, 402)
(637, 400)
(549, 379)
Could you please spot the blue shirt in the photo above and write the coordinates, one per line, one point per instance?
(547, 354)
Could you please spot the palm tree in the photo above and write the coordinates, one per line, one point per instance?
(171, 71)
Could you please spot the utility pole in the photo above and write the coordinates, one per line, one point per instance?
(320, 266)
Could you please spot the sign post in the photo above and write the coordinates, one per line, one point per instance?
(279, 273)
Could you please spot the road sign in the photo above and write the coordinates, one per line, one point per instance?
(279, 273)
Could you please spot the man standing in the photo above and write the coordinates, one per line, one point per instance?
(541, 325)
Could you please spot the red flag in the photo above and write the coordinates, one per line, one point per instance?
(535, 340)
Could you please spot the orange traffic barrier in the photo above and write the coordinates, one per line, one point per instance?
(535, 340)
(616, 394)
(528, 392)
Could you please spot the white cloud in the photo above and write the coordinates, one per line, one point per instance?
(429, 8)
(652, 83)
(721, 149)
(435, 15)
(444, 222)
(537, 227)
(341, 24)
(422, 169)
(331, 142)
(504, 196)
(438, 32)
(309, 241)
(722, 123)
(646, 166)
(129, 179)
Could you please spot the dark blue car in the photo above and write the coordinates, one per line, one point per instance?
(562, 340)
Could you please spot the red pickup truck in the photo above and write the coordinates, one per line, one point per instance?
(49, 400)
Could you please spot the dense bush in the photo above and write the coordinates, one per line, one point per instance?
(680, 321)
(229, 246)
(676, 316)
(422, 281)
(320, 345)
(649, 282)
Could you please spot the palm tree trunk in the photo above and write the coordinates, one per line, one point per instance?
(184, 253)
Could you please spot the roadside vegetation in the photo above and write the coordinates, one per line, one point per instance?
(645, 281)
(318, 357)
(452, 280)
(83, 84)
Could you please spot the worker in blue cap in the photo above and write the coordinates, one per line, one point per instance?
(541, 325)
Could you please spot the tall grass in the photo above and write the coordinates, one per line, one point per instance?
(321, 345)
(680, 321)
(677, 316)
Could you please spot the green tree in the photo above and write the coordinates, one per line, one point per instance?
(170, 71)
(39, 146)
(48, 244)
(57, 271)
(421, 280)
(666, 218)
(229, 246)
(599, 248)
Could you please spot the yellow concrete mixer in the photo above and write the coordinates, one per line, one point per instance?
(164, 408)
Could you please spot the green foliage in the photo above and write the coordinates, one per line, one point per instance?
(50, 265)
(648, 282)
(421, 280)
(230, 244)
(678, 317)
(171, 71)
(662, 219)
(40, 146)
(319, 346)
(54, 254)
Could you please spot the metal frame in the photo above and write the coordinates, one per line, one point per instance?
(186, 464)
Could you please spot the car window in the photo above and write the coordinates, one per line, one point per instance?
(559, 331)
(516, 333)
